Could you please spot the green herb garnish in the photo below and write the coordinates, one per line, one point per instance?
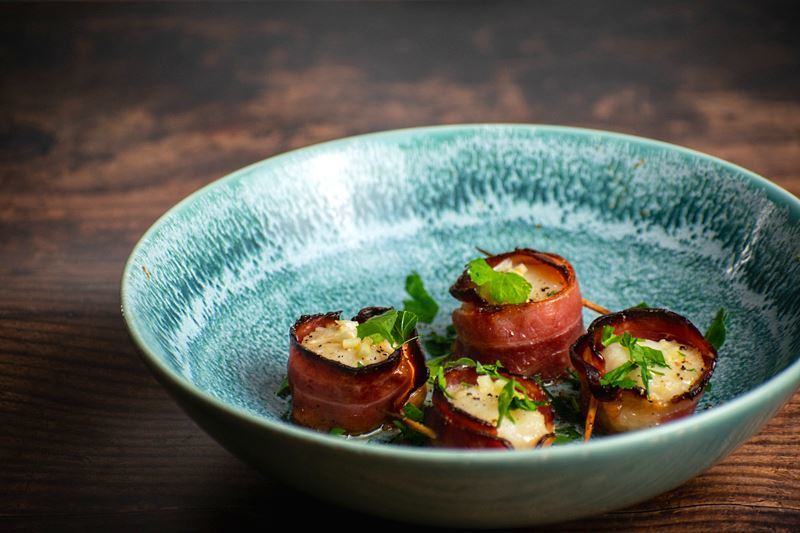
(284, 391)
(480, 369)
(514, 396)
(619, 376)
(573, 379)
(715, 334)
(498, 288)
(337, 431)
(640, 357)
(566, 407)
(709, 387)
(641, 305)
(393, 325)
(408, 435)
(421, 303)
(433, 366)
(566, 434)
(438, 345)
(607, 336)
(413, 412)
(441, 382)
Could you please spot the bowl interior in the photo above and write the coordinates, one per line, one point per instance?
(214, 286)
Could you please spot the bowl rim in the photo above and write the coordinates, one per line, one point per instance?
(785, 381)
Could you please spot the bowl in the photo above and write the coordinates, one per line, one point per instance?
(210, 291)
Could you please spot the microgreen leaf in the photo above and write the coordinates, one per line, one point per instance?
(421, 303)
(498, 288)
(641, 305)
(716, 332)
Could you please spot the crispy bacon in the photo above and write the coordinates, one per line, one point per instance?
(621, 410)
(529, 338)
(328, 394)
(455, 428)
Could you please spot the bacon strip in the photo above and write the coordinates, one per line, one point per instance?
(529, 338)
(621, 410)
(457, 429)
(328, 394)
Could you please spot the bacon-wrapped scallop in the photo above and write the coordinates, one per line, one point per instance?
(642, 367)
(340, 380)
(523, 308)
(488, 410)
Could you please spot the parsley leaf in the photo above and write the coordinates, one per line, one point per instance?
(498, 288)
(514, 396)
(393, 325)
(565, 406)
(504, 403)
(619, 376)
(488, 370)
(566, 434)
(608, 337)
(641, 357)
(284, 391)
(441, 382)
(413, 412)
(717, 330)
(434, 365)
(641, 305)
(337, 431)
(403, 327)
(439, 345)
(408, 435)
(421, 303)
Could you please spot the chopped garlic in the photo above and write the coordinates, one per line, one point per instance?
(481, 401)
(543, 283)
(340, 342)
(685, 367)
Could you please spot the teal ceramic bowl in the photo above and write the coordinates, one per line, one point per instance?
(210, 291)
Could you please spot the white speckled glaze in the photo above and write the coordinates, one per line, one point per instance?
(211, 290)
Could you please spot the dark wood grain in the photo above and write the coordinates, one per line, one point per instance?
(110, 114)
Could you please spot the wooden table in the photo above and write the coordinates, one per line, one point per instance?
(112, 113)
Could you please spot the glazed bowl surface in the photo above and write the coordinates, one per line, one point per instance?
(211, 290)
